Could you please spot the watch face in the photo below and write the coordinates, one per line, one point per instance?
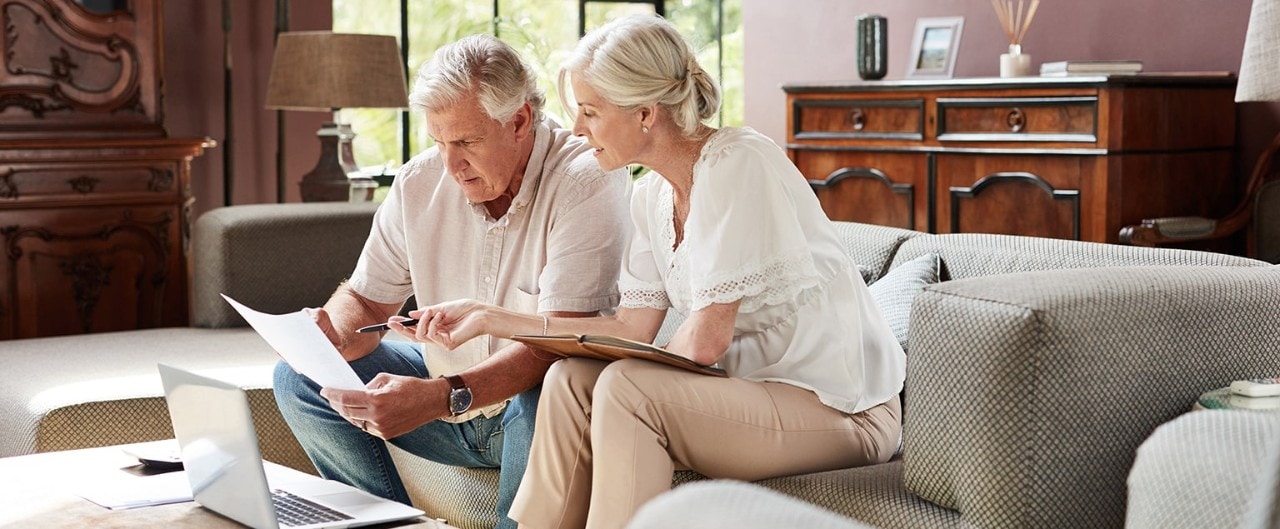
(460, 401)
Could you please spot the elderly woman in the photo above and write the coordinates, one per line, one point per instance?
(726, 232)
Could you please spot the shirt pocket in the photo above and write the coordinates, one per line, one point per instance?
(523, 301)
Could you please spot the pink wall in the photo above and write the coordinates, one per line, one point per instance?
(193, 73)
(812, 40)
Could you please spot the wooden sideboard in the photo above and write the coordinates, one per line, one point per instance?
(1065, 157)
(94, 197)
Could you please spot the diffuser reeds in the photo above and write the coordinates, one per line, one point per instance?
(1015, 18)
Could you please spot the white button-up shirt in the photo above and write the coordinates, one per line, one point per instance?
(558, 247)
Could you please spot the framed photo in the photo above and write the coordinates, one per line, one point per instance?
(934, 47)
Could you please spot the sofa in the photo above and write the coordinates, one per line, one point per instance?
(1209, 468)
(102, 389)
(1035, 368)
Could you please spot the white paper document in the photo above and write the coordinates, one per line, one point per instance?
(117, 489)
(297, 338)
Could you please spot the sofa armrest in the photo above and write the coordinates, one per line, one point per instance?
(276, 258)
(1214, 468)
(1027, 394)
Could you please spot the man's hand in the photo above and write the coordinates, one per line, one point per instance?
(450, 324)
(391, 405)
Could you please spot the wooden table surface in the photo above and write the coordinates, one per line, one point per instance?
(37, 491)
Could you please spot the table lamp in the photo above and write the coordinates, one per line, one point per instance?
(1260, 64)
(326, 71)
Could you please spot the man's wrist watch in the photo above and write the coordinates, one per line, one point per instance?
(459, 395)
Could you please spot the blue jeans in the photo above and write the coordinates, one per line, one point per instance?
(342, 452)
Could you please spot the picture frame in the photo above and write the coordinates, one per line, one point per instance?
(934, 47)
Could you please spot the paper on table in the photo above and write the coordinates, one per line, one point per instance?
(117, 489)
(297, 338)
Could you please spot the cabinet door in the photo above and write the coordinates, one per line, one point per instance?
(889, 189)
(1012, 194)
(90, 270)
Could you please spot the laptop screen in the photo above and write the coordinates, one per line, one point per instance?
(212, 422)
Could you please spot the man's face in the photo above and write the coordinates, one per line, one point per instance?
(482, 155)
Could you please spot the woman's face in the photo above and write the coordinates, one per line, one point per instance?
(614, 133)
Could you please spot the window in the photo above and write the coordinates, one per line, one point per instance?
(543, 31)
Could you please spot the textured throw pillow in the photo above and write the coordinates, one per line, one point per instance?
(894, 292)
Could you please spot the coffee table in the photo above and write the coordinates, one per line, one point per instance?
(37, 491)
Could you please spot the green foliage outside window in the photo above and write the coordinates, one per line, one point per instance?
(543, 31)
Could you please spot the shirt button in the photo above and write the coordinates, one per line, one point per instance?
(488, 279)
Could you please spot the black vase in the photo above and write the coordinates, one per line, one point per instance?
(873, 44)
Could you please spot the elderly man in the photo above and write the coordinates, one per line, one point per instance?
(507, 208)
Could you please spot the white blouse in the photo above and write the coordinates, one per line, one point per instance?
(756, 233)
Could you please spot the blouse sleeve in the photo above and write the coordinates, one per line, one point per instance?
(640, 283)
(745, 239)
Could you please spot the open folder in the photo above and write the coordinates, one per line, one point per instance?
(610, 348)
(300, 342)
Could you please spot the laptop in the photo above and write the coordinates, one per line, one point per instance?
(224, 465)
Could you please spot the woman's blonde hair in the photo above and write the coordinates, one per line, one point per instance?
(641, 60)
(485, 65)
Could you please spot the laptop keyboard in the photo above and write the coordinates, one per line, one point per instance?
(293, 511)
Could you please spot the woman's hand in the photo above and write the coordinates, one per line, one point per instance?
(449, 324)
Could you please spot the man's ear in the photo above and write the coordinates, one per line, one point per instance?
(523, 121)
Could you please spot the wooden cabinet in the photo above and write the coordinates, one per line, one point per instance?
(94, 197)
(1071, 158)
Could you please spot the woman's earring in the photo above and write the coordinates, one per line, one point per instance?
(644, 130)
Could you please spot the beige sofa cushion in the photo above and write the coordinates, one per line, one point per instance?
(92, 391)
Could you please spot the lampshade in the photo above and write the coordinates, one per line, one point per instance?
(1260, 65)
(321, 70)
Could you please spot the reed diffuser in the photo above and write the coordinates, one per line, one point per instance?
(1015, 17)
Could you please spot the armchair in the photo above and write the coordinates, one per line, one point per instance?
(1259, 212)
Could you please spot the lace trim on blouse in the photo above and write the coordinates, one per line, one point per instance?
(780, 280)
(643, 295)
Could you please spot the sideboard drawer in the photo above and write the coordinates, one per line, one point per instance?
(88, 181)
(1044, 119)
(853, 118)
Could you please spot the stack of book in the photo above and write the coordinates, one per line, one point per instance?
(1065, 68)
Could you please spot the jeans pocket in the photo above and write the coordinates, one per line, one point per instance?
(485, 435)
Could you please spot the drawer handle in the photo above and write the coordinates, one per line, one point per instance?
(858, 119)
(1016, 119)
(83, 185)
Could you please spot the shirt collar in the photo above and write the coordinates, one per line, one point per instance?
(532, 176)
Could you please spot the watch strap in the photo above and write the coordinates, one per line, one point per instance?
(455, 382)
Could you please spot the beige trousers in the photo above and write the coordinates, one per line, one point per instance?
(609, 437)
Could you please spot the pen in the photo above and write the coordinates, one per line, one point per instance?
(384, 327)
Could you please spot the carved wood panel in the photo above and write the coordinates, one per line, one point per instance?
(1017, 195)
(106, 270)
(70, 72)
(1015, 204)
(884, 189)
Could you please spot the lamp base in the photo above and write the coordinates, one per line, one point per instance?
(328, 182)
